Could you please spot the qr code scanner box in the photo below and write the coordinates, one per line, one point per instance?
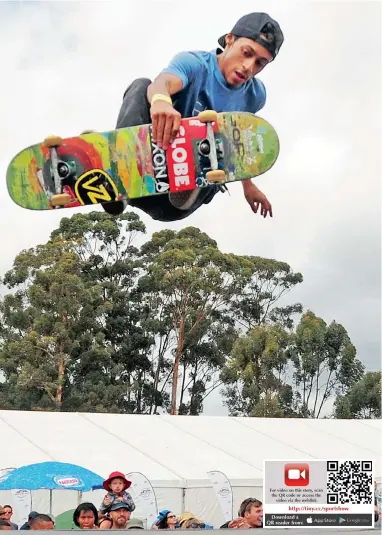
(318, 493)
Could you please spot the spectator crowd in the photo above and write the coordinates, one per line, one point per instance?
(117, 508)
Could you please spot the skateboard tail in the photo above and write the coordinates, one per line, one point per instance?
(23, 182)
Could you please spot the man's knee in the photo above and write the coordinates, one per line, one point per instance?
(135, 107)
(139, 85)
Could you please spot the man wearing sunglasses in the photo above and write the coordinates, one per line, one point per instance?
(222, 80)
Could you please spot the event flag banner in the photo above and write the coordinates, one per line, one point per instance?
(144, 496)
(21, 498)
(223, 491)
(22, 504)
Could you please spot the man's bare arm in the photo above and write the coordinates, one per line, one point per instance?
(165, 119)
(164, 84)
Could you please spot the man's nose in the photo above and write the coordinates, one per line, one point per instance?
(249, 65)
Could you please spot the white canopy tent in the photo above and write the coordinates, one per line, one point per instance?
(176, 452)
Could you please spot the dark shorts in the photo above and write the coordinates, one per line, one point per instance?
(159, 207)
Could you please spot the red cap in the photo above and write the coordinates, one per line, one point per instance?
(113, 475)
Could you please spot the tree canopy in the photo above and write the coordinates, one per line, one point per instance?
(102, 319)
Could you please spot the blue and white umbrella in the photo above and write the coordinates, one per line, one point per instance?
(51, 475)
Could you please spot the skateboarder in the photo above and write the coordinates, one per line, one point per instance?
(221, 80)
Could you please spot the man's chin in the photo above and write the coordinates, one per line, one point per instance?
(234, 82)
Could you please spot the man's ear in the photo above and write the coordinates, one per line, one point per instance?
(229, 39)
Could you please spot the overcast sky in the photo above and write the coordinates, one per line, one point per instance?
(65, 66)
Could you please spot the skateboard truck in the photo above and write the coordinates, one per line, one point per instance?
(60, 171)
(208, 147)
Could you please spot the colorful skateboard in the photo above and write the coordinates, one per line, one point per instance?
(100, 167)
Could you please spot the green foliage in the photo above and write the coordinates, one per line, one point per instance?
(267, 281)
(254, 373)
(99, 320)
(363, 400)
(45, 323)
(325, 362)
(277, 372)
(195, 283)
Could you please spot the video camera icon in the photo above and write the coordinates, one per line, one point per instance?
(296, 474)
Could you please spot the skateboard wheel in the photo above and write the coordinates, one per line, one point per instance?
(204, 148)
(61, 199)
(53, 141)
(208, 116)
(215, 176)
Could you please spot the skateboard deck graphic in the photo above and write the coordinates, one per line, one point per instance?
(100, 167)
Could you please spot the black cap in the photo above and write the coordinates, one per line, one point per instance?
(254, 24)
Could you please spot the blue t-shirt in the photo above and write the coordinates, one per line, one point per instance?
(204, 86)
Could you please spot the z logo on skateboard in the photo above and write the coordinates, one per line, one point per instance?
(95, 186)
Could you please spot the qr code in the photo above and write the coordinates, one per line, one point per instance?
(349, 482)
